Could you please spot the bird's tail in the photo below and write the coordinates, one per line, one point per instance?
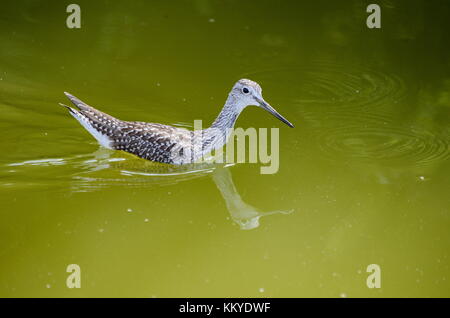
(97, 123)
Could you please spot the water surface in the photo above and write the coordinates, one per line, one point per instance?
(363, 178)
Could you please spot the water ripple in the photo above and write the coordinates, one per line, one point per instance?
(332, 85)
(388, 144)
(356, 112)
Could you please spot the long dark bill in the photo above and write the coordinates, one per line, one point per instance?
(271, 110)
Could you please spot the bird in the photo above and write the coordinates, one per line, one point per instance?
(168, 144)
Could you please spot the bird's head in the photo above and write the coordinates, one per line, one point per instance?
(247, 92)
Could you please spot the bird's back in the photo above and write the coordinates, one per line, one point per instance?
(152, 141)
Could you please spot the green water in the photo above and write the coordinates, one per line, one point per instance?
(363, 177)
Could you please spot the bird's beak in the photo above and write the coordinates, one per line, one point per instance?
(271, 110)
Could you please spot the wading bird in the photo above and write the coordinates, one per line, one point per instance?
(168, 144)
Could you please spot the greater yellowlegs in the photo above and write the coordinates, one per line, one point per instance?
(168, 144)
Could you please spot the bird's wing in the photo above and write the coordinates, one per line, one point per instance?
(152, 141)
(89, 110)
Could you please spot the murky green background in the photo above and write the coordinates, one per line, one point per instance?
(363, 179)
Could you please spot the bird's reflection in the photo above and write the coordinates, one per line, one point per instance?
(245, 215)
(146, 173)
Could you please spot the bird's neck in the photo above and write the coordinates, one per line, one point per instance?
(217, 135)
(229, 114)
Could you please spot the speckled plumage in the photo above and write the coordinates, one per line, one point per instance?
(164, 143)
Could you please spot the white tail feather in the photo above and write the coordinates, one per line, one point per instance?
(103, 140)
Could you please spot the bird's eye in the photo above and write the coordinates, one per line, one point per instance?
(245, 90)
